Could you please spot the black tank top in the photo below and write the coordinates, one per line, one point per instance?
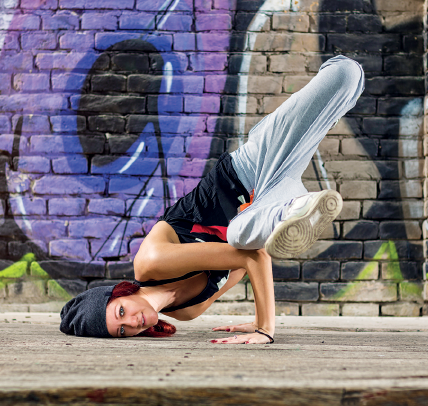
(203, 216)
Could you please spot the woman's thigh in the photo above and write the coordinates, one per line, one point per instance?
(283, 143)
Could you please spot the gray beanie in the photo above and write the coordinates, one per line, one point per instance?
(85, 315)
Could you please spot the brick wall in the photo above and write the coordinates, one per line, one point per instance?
(110, 111)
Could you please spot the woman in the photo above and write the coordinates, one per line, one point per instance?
(279, 220)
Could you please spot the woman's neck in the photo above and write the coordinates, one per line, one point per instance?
(163, 296)
(159, 297)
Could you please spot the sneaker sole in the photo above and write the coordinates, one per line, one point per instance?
(295, 235)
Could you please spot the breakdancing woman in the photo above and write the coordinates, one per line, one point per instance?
(213, 228)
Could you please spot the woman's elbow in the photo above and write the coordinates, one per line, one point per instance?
(146, 261)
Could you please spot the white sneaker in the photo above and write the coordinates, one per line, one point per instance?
(305, 220)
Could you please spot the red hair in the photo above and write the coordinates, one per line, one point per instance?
(162, 329)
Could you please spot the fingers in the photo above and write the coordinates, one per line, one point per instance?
(242, 328)
(222, 328)
(243, 339)
(231, 340)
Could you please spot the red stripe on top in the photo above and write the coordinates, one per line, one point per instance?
(219, 231)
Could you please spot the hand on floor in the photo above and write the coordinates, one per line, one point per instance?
(242, 328)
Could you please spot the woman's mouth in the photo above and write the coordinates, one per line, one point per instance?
(142, 320)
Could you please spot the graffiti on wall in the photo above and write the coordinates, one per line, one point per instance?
(112, 124)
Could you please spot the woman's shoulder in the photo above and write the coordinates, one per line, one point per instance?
(160, 235)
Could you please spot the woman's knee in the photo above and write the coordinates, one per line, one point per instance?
(241, 235)
(348, 74)
(234, 237)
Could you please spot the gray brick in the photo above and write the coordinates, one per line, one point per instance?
(393, 250)
(290, 22)
(351, 210)
(107, 206)
(360, 230)
(394, 106)
(331, 231)
(320, 309)
(296, 291)
(358, 190)
(27, 291)
(364, 23)
(395, 86)
(120, 144)
(373, 291)
(360, 146)
(381, 126)
(72, 270)
(327, 23)
(401, 148)
(286, 309)
(287, 63)
(271, 103)
(231, 105)
(111, 123)
(329, 146)
(400, 189)
(111, 104)
(129, 62)
(410, 230)
(231, 308)
(402, 309)
(300, 42)
(258, 63)
(5, 264)
(71, 286)
(413, 168)
(364, 170)
(334, 250)
(392, 22)
(108, 83)
(18, 249)
(120, 270)
(363, 43)
(360, 270)
(402, 270)
(370, 63)
(360, 309)
(321, 270)
(265, 84)
(404, 65)
(332, 6)
(393, 210)
(243, 20)
(413, 43)
(412, 291)
(365, 105)
(286, 270)
(237, 292)
(292, 84)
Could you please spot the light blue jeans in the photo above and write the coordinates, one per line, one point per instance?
(280, 148)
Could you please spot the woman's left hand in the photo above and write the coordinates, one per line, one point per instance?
(254, 338)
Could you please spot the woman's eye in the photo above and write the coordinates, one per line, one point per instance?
(121, 311)
(122, 331)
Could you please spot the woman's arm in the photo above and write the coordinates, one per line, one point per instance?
(259, 270)
(241, 328)
(161, 256)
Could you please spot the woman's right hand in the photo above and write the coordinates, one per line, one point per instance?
(242, 328)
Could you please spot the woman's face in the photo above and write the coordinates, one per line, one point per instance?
(129, 315)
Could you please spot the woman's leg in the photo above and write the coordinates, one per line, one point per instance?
(281, 146)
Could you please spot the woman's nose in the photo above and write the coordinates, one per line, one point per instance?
(133, 321)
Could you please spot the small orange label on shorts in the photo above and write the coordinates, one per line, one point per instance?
(242, 207)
